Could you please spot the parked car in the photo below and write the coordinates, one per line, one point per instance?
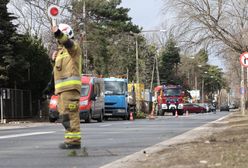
(205, 105)
(233, 106)
(212, 108)
(193, 108)
(91, 105)
(224, 107)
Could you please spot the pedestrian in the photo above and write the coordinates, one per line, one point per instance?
(67, 80)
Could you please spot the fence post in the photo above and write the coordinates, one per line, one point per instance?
(2, 121)
(30, 102)
(39, 108)
(21, 95)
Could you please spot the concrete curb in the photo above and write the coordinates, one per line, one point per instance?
(16, 125)
(189, 136)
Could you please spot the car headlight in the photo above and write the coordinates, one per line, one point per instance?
(83, 103)
(180, 106)
(121, 111)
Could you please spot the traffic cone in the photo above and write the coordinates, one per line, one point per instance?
(187, 113)
(131, 116)
(151, 116)
(176, 114)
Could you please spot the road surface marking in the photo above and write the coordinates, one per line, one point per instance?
(112, 132)
(25, 134)
(105, 125)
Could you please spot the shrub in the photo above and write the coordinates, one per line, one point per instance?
(140, 115)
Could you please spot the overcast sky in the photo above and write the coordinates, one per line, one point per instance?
(148, 14)
(145, 13)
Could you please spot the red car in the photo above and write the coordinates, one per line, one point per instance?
(193, 108)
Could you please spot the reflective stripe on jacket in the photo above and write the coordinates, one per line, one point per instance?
(73, 80)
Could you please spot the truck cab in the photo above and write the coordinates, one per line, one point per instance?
(116, 105)
(170, 99)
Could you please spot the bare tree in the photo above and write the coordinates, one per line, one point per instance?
(211, 23)
(220, 26)
(33, 16)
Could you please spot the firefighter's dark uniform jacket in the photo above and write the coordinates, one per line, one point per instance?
(67, 68)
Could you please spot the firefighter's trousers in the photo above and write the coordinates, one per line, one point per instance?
(68, 107)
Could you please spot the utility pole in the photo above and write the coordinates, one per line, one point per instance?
(202, 90)
(242, 97)
(1, 99)
(195, 81)
(137, 72)
(137, 59)
(156, 60)
(84, 40)
(155, 66)
(137, 65)
(153, 71)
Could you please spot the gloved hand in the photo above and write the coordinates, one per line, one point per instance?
(49, 90)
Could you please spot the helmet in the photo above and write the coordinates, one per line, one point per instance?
(66, 29)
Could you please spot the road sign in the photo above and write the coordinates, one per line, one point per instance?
(54, 11)
(244, 59)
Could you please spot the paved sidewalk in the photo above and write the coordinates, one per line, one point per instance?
(175, 154)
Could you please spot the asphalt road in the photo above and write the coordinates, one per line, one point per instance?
(37, 147)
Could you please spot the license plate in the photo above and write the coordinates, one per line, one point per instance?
(164, 106)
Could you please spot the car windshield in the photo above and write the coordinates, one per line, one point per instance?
(85, 90)
(115, 88)
(172, 92)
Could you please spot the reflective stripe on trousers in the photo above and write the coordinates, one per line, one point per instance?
(73, 135)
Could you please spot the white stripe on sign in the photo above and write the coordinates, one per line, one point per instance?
(25, 134)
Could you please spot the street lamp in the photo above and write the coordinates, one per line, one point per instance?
(137, 51)
(203, 87)
(196, 80)
(137, 58)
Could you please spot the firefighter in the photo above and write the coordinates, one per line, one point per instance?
(155, 102)
(67, 80)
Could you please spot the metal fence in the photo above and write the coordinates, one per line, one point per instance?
(15, 103)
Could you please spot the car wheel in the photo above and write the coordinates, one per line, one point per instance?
(88, 119)
(160, 112)
(180, 112)
(52, 120)
(126, 117)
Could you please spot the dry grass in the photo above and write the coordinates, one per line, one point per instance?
(225, 149)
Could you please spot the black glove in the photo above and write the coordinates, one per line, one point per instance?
(50, 88)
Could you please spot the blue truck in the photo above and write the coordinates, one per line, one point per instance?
(116, 105)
